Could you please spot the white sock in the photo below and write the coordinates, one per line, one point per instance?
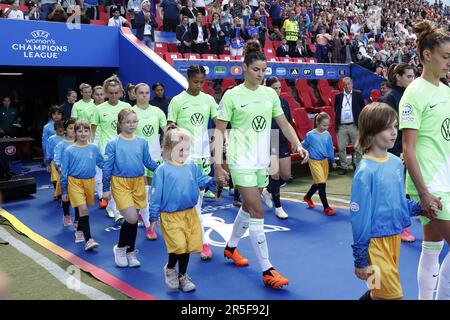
(259, 243)
(145, 216)
(428, 270)
(149, 195)
(443, 288)
(198, 208)
(240, 226)
(113, 207)
(145, 212)
(98, 182)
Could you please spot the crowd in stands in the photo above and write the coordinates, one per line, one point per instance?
(371, 33)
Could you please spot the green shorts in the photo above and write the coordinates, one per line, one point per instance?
(444, 214)
(250, 177)
(204, 164)
(149, 173)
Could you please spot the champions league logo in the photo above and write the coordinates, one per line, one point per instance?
(39, 46)
(217, 232)
(40, 34)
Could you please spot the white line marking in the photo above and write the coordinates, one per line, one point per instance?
(55, 270)
(329, 198)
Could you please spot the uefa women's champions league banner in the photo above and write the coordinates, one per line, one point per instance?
(219, 69)
(42, 44)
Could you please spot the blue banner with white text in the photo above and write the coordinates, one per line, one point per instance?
(219, 69)
(42, 44)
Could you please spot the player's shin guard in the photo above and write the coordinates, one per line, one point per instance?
(240, 225)
(259, 243)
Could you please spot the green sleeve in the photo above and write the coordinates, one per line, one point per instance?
(213, 108)
(172, 114)
(225, 109)
(410, 111)
(95, 117)
(162, 118)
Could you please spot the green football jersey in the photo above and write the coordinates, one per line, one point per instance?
(80, 109)
(105, 118)
(193, 113)
(250, 113)
(150, 120)
(426, 108)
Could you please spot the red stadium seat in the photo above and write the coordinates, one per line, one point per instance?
(276, 44)
(207, 89)
(227, 83)
(284, 59)
(333, 96)
(191, 56)
(297, 60)
(103, 15)
(239, 58)
(269, 52)
(302, 123)
(209, 56)
(341, 84)
(325, 91)
(305, 96)
(284, 86)
(225, 57)
(330, 111)
(272, 59)
(312, 48)
(160, 47)
(170, 56)
(172, 47)
(269, 44)
(99, 22)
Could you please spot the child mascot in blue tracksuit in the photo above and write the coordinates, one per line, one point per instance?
(379, 208)
(175, 191)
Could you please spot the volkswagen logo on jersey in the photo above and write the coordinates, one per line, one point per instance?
(445, 129)
(148, 130)
(114, 125)
(197, 119)
(259, 123)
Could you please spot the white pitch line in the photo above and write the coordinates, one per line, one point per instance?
(60, 274)
(329, 198)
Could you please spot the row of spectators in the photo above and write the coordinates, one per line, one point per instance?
(373, 34)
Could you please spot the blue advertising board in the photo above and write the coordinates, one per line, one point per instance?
(216, 69)
(42, 44)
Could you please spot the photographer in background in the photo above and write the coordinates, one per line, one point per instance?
(348, 51)
(58, 14)
(34, 11)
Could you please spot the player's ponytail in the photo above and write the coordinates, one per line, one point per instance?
(253, 52)
(428, 37)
